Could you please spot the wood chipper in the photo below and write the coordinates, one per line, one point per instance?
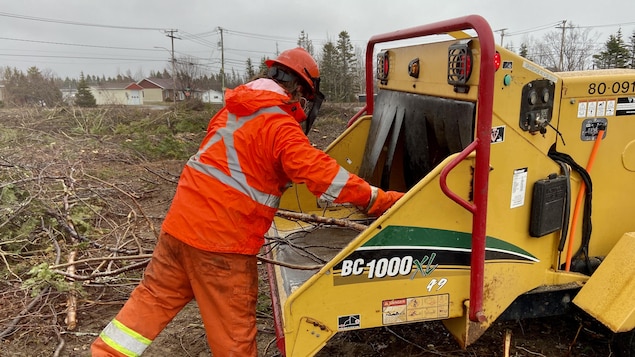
(520, 197)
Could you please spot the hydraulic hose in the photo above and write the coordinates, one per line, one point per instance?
(580, 198)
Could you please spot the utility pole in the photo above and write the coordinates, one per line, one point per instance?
(502, 31)
(170, 34)
(563, 27)
(222, 65)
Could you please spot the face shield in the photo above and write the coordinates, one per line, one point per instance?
(312, 106)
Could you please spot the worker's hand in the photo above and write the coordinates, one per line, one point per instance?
(383, 200)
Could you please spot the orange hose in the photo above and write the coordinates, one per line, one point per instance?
(578, 202)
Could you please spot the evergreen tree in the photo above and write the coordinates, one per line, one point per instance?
(263, 67)
(345, 63)
(615, 53)
(523, 51)
(32, 88)
(84, 97)
(304, 42)
(328, 71)
(250, 72)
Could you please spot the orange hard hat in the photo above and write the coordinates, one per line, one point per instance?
(299, 61)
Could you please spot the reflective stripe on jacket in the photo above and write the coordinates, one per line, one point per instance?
(230, 189)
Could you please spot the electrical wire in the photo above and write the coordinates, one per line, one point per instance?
(65, 22)
(76, 44)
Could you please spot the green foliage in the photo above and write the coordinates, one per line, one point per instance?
(91, 122)
(165, 137)
(250, 72)
(12, 200)
(82, 216)
(305, 42)
(31, 88)
(615, 54)
(41, 277)
(341, 72)
(84, 97)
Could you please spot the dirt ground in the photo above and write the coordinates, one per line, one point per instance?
(52, 163)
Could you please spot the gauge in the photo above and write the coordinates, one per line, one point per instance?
(545, 95)
(533, 97)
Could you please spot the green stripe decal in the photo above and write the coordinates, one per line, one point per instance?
(400, 237)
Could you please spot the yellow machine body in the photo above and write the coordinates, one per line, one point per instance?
(412, 264)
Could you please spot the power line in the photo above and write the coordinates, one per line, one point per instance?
(65, 22)
(83, 57)
(533, 29)
(75, 44)
(610, 25)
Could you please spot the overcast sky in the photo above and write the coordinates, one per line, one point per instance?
(113, 37)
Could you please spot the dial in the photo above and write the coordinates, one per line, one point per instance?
(545, 95)
(533, 97)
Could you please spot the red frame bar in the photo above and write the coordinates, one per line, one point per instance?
(276, 308)
(481, 144)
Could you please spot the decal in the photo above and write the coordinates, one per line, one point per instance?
(383, 267)
(498, 134)
(610, 107)
(348, 322)
(519, 187)
(417, 254)
(420, 308)
(539, 71)
(582, 109)
(601, 108)
(592, 108)
(437, 284)
(424, 269)
(625, 106)
(602, 88)
(508, 65)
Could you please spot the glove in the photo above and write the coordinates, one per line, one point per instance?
(381, 200)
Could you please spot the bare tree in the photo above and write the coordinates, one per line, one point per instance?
(188, 70)
(569, 48)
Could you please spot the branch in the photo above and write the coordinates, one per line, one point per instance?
(11, 329)
(134, 200)
(99, 259)
(287, 265)
(321, 219)
(108, 273)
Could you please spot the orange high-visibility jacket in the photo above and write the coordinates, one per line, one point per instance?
(230, 189)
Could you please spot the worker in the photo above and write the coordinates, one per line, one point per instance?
(225, 201)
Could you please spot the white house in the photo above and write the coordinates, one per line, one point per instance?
(211, 96)
(118, 94)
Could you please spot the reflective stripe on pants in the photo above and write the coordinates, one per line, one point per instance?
(225, 287)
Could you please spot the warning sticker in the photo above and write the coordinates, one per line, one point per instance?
(348, 322)
(421, 308)
(625, 106)
(519, 187)
(599, 108)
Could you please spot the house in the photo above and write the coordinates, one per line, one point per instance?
(68, 95)
(211, 96)
(159, 90)
(118, 94)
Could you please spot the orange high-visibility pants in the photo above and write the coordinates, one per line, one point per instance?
(225, 287)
